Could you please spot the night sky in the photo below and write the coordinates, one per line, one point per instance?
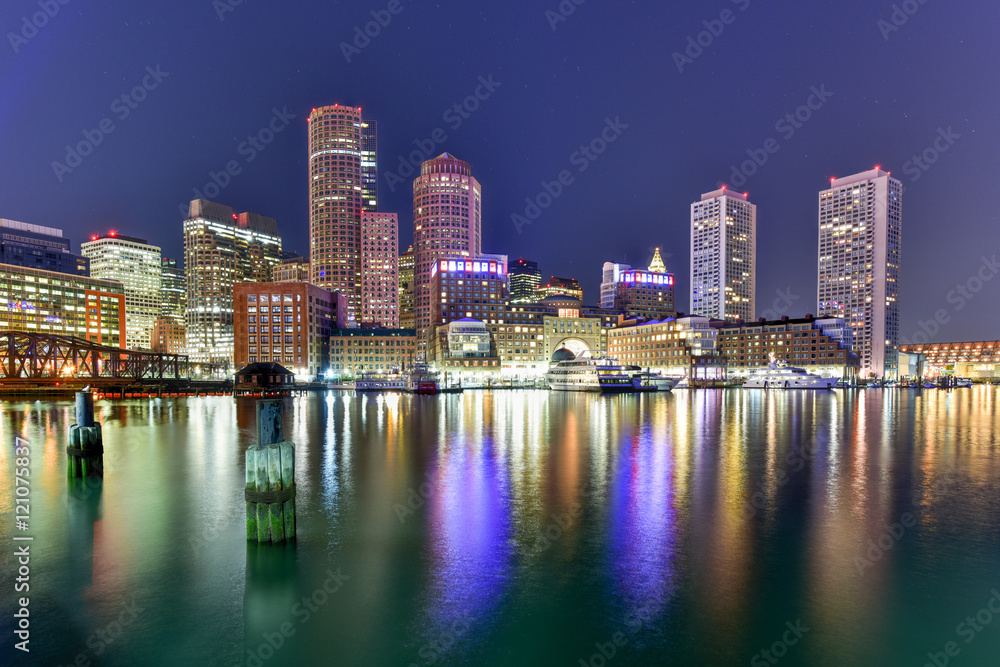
(891, 89)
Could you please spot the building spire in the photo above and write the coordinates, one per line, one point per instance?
(657, 265)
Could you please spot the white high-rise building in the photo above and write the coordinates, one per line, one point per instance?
(724, 256)
(136, 265)
(609, 282)
(859, 242)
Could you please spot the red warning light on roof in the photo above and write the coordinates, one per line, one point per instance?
(112, 233)
(93, 237)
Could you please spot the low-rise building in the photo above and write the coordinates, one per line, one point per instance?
(818, 345)
(466, 349)
(677, 346)
(286, 323)
(63, 304)
(371, 351)
(975, 359)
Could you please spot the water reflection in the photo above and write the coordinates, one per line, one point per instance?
(523, 527)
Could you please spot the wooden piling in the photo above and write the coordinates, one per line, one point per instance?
(270, 479)
(85, 451)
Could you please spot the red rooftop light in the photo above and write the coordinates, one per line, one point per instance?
(112, 233)
(93, 237)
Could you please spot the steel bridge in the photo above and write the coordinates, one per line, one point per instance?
(43, 358)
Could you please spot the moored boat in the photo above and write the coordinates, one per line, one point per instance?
(777, 375)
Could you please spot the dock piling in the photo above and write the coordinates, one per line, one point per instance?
(270, 479)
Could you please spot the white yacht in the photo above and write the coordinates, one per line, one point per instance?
(649, 380)
(567, 373)
(379, 383)
(777, 375)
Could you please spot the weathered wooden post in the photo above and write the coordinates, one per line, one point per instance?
(270, 479)
(85, 451)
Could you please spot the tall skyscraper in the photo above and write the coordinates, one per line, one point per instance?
(859, 243)
(524, 281)
(136, 265)
(168, 331)
(407, 317)
(336, 200)
(369, 165)
(447, 222)
(380, 269)
(173, 290)
(222, 248)
(609, 282)
(724, 256)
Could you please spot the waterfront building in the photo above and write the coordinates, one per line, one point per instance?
(336, 200)
(525, 279)
(468, 288)
(39, 247)
(560, 286)
(609, 283)
(137, 265)
(63, 304)
(860, 218)
(976, 359)
(221, 249)
(407, 316)
(447, 223)
(288, 323)
(682, 346)
(723, 256)
(815, 344)
(292, 269)
(371, 351)
(645, 294)
(379, 270)
(466, 348)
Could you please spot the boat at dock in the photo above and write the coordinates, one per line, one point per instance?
(777, 375)
(589, 374)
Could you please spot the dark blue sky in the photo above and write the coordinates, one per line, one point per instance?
(890, 93)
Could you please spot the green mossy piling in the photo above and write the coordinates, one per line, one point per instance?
(270, 479)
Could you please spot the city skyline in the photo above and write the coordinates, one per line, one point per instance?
(853, 121)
